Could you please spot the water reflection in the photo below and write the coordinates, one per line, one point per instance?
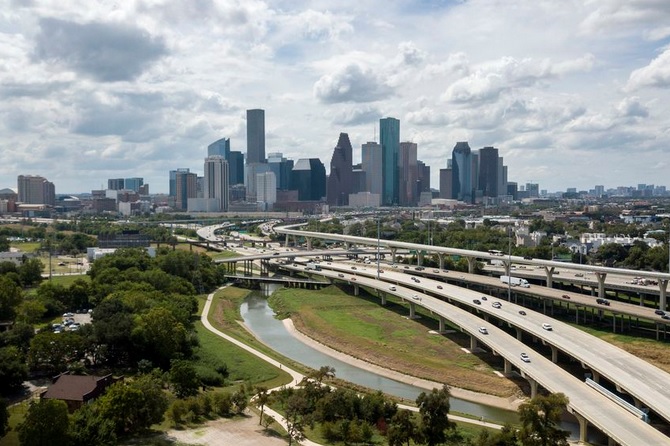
(259, 318)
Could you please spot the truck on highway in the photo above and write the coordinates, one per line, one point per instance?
(312, 265)
(515, 281)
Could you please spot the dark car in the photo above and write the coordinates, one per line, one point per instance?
(477, 301)
(659, 312)
(666, 317)
(439, 287)
(603, 301)
(565, 296)
(485, 298)
(528, 257)
(522, 313)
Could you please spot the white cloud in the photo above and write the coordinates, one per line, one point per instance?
(656, 74)
(353, 83)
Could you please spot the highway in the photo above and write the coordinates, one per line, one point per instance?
(613, 420)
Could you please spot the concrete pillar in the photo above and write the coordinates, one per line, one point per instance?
(286, 241)
(507, 266)
(355, 290)
(583, 427)
(595, 376)
(347, 246)
(471, 264)
(441, 259)
(383, 297)
(507, 368)
(441, 328)
(663, 288)
(308, 240)
(549, 271)
(473, 343)
(554, 354)
(519, 333)
(611, 442)
(412, 310)
(601, 284)
(533, 387)
(419, 258)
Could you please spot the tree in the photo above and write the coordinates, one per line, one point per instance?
(323, 372)
(540, 419)
(53, 352)
(10, 298)
(184, 379)
(262, 398)
(402, 429)
(294, 413)
(13, 370)
(31, 272)
(4, 418)
(88, 427)
(46, 424)
(160, 336)
(434, 412)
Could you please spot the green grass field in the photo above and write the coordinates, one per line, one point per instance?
(385, 336)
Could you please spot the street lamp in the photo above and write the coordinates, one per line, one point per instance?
(509, 264)
(378, 242)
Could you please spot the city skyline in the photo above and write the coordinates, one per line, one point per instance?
(573, 98)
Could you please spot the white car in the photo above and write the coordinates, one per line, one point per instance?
(547, 327)
(524, 357)
(416, 297)
(392, 288)
(483, 330)
(496, 305)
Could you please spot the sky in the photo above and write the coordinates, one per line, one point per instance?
(572, 93)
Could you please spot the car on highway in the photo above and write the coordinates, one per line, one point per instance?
(483, 330)
(485, 298)
(522, 313)
(547, 326)
(659, 312)
(439, 287)
(527, 257)
(565, 296)
(477, 301)
(353, 267)
(380, 271)
(416, 297)
(340, 275)
(579, 275)
(524, 357)
(436, 270)
(275, 254)
(496, 305)
(602, 301)
(392, 288)
(666, 317)
(353, 279)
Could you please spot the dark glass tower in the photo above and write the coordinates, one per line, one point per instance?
(255, 136)
(389, 135)
(340, 181)
(461, 165)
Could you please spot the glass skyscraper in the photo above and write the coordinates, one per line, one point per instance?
(255, 136)
(461, 165)
(389, 135)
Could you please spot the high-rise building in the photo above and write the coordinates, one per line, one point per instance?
(219, 148)
(255, 136)
(186, 186)
(173, 180)
(408, 174)
(461, 165)
(266, 189)
(282, 169)
(533, 190)
(389, 135)
(134, 184)
(488, 171)
(446, 183)
(216, 181)
(236, 167)
(34, 189)
(340, 179)
(309, 179)
(372, 165)
(251, 170)
(115, 184)
(424, 176)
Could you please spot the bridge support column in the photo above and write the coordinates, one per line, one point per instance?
(663, 288)
(507, 367)
(393, 252)
(637, 403)
(356, 290)
(286, 241)
(412, 310)
(554, 354)
(596, 376)
(347, 246)
(519, 334)
(611, 442)
(419, 258)
(473, 343)
(583, 427)
(442, 323)
(308, 240)
(533, 387)
(601, 284)
(471, 264)
(441, 260)
(549, 271)
(508, 267)
(383, 298)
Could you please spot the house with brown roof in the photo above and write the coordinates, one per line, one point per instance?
(76, 390)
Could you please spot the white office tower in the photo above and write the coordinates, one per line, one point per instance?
(216, 181)
(266, 189)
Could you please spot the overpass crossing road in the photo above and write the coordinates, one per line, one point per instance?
(647, 384)
(549, 266)
(587, 404)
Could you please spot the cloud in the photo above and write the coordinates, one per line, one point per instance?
(106, 52)
(625, 15)
(352, 83)
(488, 82)
(410, 55)
(427, 116)
(632, 108)
(656, 74)
(357, 115)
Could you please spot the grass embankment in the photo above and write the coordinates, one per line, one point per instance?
(384, 336)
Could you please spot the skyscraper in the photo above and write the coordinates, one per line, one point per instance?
(134, 184)
(266, 189)
(235, 168)
(340, 178)
(309, 179)
(282, 169)
(115, 184)
(424, 176)
(372, 165)
(408, 174)
(220, 148)
(389, 135)
(488, 171)
(216, 181)
(173, 180)
(461, 165)
(446, 183)
(186, 186)
(255, 136)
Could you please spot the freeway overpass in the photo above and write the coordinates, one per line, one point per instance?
(587, 404)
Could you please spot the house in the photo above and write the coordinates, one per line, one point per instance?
(77, 390)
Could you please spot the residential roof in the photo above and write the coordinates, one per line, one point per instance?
(77, 387)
